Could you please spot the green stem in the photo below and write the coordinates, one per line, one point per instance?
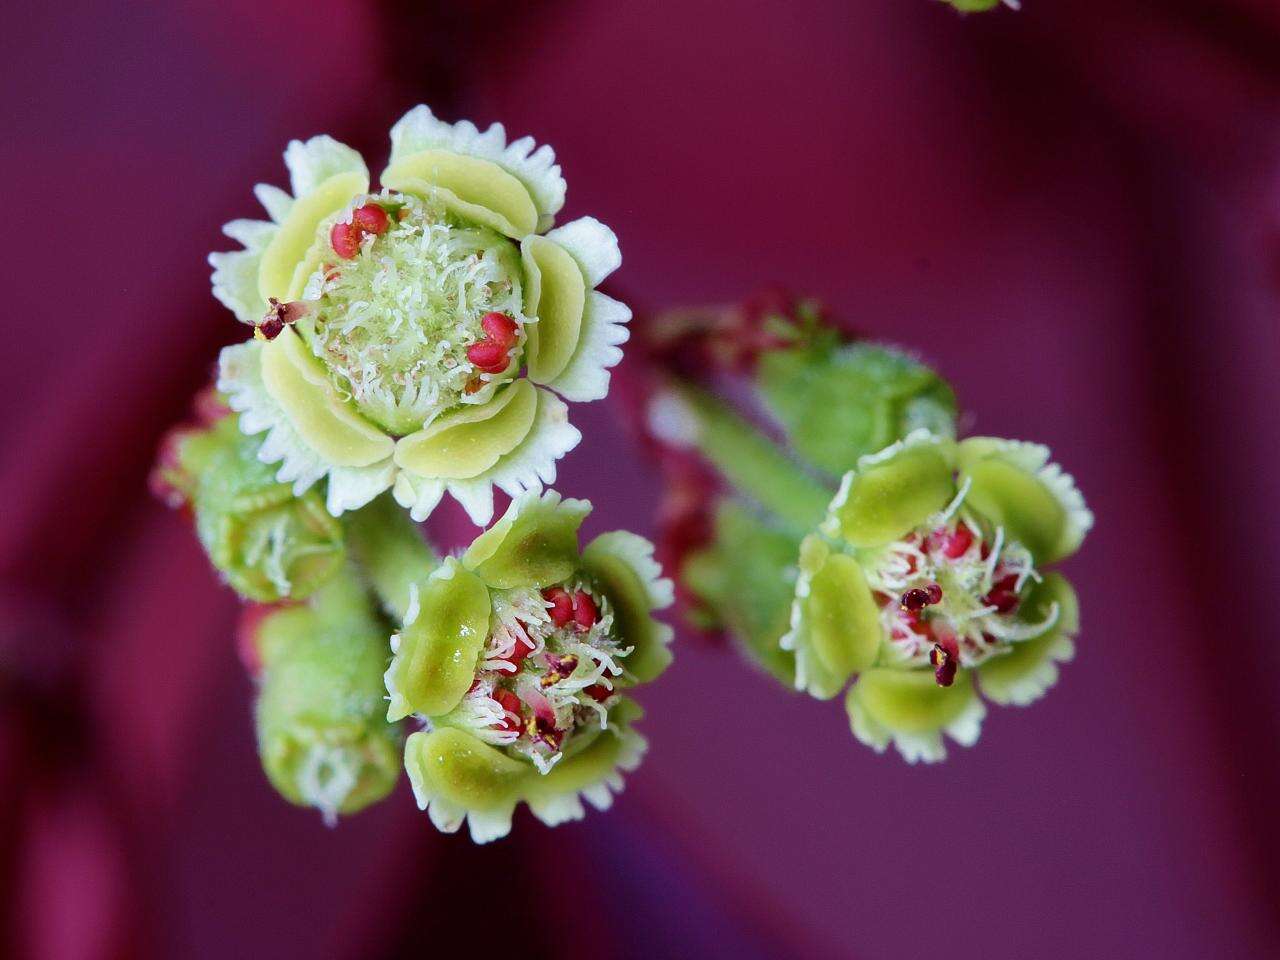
(753, 464)
(391, 551)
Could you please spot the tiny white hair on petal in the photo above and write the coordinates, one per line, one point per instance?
(420, 129)
(312, 162)
(592, 244)
(604, 329)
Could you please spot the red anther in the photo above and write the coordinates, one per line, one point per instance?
(1003, 595)
(488, 356)
(945, 657)
(561, 605)
(954, 544)
(599, 692)
(499, 328)
(585, 613)
(917, 598)
(345, 240)
(510, 703)
(271, 327)
(371, 218)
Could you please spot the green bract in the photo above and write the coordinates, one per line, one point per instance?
(926, 571)
(841, 402)
(411, 314)
(269, 544)
(322, 734)
(514, 657)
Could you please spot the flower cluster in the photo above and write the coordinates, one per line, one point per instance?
(927, 572)
(424, 337)
(515, 659)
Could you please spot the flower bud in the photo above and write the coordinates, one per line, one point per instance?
(322, 735)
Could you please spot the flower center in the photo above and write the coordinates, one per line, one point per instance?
(949, 598)
(399, 305)
(547, 671)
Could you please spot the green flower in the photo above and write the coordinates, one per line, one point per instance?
(268, 543)
(927, 575)
(410, 339)
(980, 6)
(515, 658)
(322, 735)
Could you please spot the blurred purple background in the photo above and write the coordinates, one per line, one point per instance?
(1072, 211)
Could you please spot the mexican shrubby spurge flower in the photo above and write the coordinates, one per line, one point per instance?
(928, 573)
(322, 734)
(268, 543)
(411, 338)
(515, 658)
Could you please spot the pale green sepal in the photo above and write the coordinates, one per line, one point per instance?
(436, 653)
(1030, 668)
(622, 565)
(1014, 485)
(535, 544)
(457, 777)
(908, 709)
(892, 491)
(555, 292)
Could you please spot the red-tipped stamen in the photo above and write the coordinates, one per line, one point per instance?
(370, 218)
(585, 612)
(345, 240)
(561, 610)
(917, 598)
(510, 703)
(488, 356)
(945, 657)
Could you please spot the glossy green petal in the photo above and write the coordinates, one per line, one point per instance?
(534, 544)
(1026, 673)
(555, 292)
(473, 188)
(746, 581)
(835, 623)
(321, 733)
(838, 403)
(892, 492)
(909, 709)
(456, 776)
(287, 251)
(467, 442)
(622, 565)
(436, 653)
(1012, 485)
(297, 382)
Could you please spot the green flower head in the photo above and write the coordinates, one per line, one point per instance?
(268, 543)
(516, 656)
(928, 573)
(411, 338)
(322, 734)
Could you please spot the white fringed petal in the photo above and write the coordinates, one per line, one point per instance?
(592, 244)
(604, 329)
(240, 378)
(526, 469)
(235, 283)
(420, 129)
(563, 807)
(314, 161)
(1030, 686)
(917, 747)
(275, 201)
(637, 553)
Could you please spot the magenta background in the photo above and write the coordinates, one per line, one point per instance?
(1072, 212)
